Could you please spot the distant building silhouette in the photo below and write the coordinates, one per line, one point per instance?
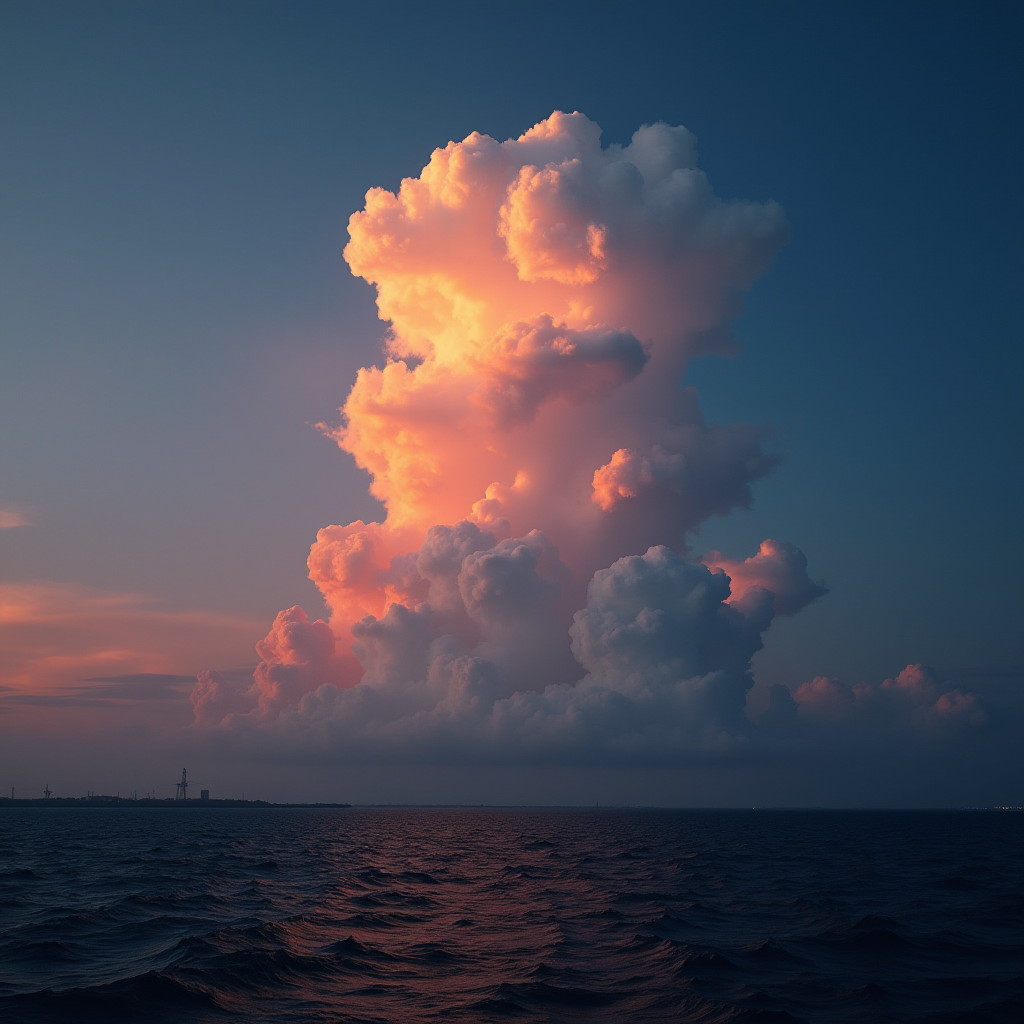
(204, 794)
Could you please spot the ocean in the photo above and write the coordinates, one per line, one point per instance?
(409, 915)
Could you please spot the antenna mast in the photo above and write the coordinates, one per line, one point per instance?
(181, 788)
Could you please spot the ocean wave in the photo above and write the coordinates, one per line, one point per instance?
(305, 917)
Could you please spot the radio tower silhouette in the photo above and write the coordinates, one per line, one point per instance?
(181, 788)
(47, 791)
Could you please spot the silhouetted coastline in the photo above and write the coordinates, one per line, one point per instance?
(125, 801)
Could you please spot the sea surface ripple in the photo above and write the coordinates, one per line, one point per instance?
(368, 915)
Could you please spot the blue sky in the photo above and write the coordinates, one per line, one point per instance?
(175, 314)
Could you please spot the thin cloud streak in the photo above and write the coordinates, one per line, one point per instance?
(11, 518)
(59, 635)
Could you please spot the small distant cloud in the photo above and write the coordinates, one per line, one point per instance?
(11, 517)
(52, 700)
(138, 686)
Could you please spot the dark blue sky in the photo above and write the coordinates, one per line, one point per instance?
(175, 181)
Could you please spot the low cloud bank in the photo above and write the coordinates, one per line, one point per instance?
(660, 667)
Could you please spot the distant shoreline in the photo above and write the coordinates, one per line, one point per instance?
(124, 801)
(190, 804)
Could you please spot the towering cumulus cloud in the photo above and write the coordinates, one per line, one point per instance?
(530, 591)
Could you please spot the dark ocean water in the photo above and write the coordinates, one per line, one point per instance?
(510, 915)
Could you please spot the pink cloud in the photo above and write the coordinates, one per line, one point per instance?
(11, 518)
(778, 568)
(53, 635)
(530, 592)
(915, 699)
